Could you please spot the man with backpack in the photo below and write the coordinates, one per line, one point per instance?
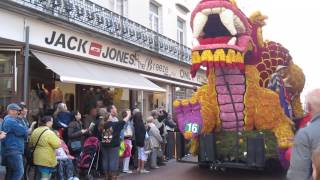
(13, 144)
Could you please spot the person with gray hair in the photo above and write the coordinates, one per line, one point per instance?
(306, 141)
(155, 139)
(13, 145)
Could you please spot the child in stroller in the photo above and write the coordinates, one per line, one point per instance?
(89, 157)
(65, 168)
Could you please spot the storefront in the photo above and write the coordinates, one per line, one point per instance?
(85, 70)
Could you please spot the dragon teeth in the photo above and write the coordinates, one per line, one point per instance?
(227, 20)
(199, 22)
(232, 41)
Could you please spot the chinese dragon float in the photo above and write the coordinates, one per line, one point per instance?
(253, 86)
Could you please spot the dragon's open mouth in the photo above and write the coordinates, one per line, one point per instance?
(221, 34)
(219, 27)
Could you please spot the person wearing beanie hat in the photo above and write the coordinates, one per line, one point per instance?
(13, 145)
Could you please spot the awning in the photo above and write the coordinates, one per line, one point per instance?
(80, 72)
(169, 81)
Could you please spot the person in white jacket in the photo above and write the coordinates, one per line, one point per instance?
(155, 139)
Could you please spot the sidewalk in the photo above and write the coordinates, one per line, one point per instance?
(136, 175)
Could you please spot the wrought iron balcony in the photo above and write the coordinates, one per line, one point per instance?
(95, 17)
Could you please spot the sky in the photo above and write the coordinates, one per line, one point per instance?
(294, 24)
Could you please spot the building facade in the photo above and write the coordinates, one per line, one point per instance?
(89, 53)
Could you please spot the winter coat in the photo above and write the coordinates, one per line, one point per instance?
(305, 142)
(65, 118)
(44, 154)
(154, 135)
(17, 134)
(74, 132)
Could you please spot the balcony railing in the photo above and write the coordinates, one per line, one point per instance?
(95, 17)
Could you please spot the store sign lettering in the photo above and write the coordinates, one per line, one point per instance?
(185, 74)
(72, 42)
(150, 66)
(155, 67)
(96, 49)
(119, 56)
(103, 52)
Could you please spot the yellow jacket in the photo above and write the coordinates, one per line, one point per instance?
(44, 154)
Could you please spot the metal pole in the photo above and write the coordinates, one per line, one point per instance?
(26, 67)
(142, 110)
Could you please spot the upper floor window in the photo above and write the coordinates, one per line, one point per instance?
(154, 17)
(181, 24)
(121, 7)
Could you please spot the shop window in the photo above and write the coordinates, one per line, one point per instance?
(189, 93)
(183, 93)
(42, 86)
(180, 93)
(7, 79)
(94, 96)
(153, 100)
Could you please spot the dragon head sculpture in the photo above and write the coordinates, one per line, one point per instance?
(222, 36)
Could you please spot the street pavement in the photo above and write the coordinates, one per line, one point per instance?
(185, 171)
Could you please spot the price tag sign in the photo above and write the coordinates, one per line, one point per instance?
(192, 127)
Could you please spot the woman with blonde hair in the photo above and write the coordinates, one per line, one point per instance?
(62, 118)
(63, 115)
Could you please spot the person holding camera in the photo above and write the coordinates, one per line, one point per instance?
(13, 145)
(109, 135)
(24, 120)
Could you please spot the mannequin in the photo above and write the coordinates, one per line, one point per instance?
(92, 97)
(45, 97)
(34, 103)
(56, 95)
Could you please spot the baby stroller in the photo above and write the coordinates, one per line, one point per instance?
(89, 157)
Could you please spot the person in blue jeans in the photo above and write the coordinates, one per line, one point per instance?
(13, 144)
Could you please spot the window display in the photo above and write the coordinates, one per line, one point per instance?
(7, 76)
(39, 98)
(94, 96)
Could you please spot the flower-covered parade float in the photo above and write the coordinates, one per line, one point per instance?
(252, 98)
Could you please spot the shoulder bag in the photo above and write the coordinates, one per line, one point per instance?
(76, 145)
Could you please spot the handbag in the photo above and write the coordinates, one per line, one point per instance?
(128, 147)
(122, 148)
(32, 149)
(147, 144)
(75, 145)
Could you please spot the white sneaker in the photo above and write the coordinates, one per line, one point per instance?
(127, 171)
(143, 171)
